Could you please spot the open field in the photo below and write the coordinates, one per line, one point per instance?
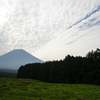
(28, 89)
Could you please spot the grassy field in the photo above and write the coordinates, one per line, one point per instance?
(27, 89)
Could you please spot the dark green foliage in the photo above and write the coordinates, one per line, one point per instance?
(70, 70)
(7, 75)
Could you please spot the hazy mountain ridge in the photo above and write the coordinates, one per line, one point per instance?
(14, 59)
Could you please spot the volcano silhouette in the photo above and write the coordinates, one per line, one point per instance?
(16, 58)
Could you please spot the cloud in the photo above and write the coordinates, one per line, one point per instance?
(76, 45)
(46, 27)
(86, 17)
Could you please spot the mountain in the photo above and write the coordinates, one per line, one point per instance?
(14, 59)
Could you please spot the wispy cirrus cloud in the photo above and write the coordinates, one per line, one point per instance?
(86, 17)
(49, 29)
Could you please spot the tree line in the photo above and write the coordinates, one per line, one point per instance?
(69, 70)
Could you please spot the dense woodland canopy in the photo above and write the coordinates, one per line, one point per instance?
(70, 70)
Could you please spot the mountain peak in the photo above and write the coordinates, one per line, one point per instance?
(18, 50)
(17, 57)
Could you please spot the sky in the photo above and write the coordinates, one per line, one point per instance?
(50, 29)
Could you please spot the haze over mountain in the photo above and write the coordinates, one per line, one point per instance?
(14, 59)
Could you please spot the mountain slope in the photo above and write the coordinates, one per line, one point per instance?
(16, 58)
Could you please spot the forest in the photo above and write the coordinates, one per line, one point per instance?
(71, 70)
